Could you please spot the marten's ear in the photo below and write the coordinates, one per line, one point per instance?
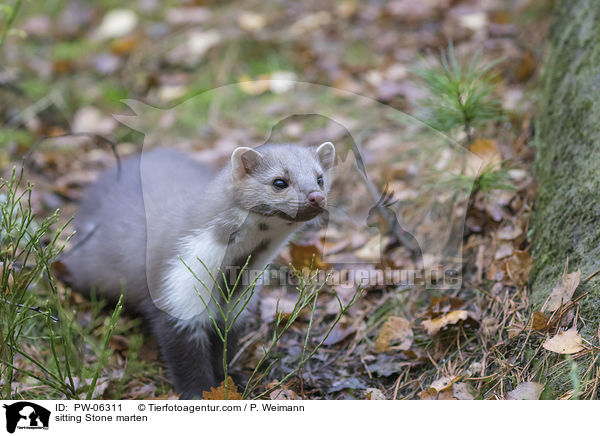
(244, 161)
(326, 153)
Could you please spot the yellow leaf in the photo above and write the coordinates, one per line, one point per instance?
(394, 331)
(434, 325)
(307, 256)
(218, 393)
(567, 342)
(540, 321)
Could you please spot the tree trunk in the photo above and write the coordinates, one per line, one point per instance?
(567, 211)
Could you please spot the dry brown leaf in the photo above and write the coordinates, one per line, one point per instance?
(540, 321)
(218, 393)
(281, 392)
(518, 266)
(307, 256)
(434, 325)
(526, 391)
(428, 394)
(446, 388)
(394, 334)
(567, 342)
(563, 293)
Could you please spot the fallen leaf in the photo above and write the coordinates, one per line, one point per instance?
(434, 325)
(526, 391)
(218, 393)
(428, 394)
(307, 256)
(338, 334)
(280, 392)
(540, 321)
(445, 388)
(518, 266)
(567, 342)
(563, 293)
(374, 394)
(441, 383)
(394, 334)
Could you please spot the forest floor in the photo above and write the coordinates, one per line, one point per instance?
(69, 68)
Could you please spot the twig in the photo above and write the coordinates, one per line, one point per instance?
(588, 278)
(37, 309)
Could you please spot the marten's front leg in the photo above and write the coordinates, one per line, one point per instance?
(188, 355)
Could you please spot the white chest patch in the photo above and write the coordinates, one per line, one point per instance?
(185, 291)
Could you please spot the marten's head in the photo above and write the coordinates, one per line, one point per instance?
(285, 180)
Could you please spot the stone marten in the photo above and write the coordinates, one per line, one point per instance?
(143, 226)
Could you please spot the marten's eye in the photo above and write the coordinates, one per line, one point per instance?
(320, 181)
(280, 184)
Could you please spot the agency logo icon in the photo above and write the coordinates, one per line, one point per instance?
(26, 415)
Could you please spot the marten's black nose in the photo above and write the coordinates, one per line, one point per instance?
(316, 199)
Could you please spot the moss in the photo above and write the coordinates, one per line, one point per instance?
(567, 211)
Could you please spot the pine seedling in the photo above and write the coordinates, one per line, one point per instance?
(233, 301)
(461, 95)
(489, 179)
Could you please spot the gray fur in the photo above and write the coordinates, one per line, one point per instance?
(129, 235)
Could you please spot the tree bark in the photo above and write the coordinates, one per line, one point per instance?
(566, 220)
